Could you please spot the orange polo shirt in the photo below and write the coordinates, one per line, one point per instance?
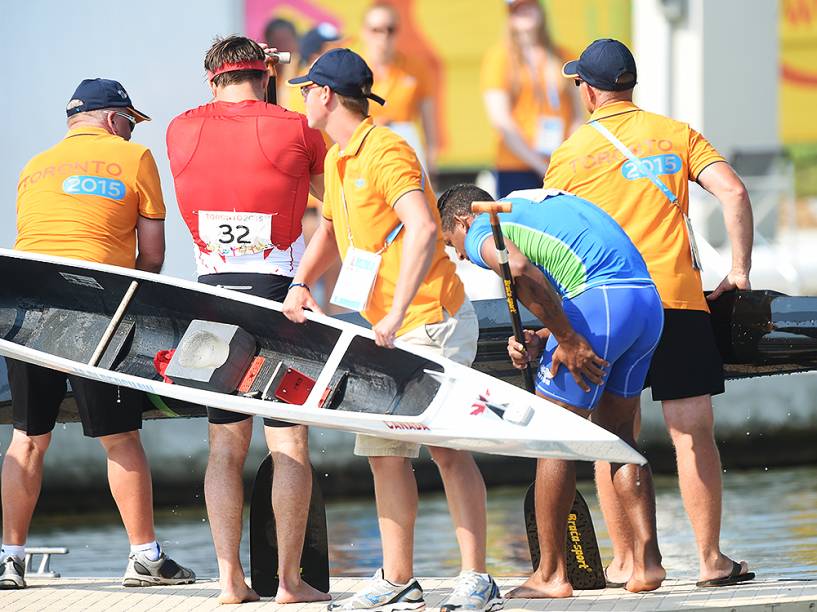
(530, 97)
(404, 84)
(589, 166)
(375, 170)
(82, 198)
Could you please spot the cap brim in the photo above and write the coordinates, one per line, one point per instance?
(376, 98)
(571, 69)
(138, 115)
(299, 80)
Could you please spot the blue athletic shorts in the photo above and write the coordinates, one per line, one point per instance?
(623, 325)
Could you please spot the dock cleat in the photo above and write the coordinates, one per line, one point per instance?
(12, 573)
(379, 594)
(473, 592)
(142, 572)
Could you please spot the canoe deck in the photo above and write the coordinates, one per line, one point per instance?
(107, 594)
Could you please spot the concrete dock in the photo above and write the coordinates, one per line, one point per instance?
(107, 594)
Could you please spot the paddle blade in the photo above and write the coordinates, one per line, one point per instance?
(584, 568)
(264, 545)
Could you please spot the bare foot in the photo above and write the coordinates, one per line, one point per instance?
(237, 594)
(299, 593)
(535, 588)
(648, 580)
(618, 573)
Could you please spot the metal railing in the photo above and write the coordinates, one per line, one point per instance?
(44, 567)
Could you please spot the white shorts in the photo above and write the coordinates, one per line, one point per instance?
(454, 338)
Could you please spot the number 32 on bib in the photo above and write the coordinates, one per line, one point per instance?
(235, 233)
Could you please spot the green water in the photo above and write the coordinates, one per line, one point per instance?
(770, 519)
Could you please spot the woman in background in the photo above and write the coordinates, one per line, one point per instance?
(526, 99)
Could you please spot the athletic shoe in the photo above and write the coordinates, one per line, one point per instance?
(381, 595)
(143, 572)
(12, 573)
(473, 592)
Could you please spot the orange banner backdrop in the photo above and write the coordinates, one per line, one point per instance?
(798, 71)
(451, 36)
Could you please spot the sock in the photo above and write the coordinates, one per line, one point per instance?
(17, 551)
(151, 550)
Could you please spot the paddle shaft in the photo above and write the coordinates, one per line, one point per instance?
(115, 320)
(492, 208)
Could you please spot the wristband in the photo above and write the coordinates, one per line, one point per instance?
(304, 285)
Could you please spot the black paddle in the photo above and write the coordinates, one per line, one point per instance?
(584, 567)
(264, 544)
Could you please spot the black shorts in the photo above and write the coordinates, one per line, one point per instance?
(268, 286)
(36, 395)
(686, 362)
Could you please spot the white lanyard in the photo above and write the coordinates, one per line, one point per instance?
(647, 171)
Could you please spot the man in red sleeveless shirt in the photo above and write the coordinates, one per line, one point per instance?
(243, 169)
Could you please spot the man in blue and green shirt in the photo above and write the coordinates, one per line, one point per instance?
(577, 271)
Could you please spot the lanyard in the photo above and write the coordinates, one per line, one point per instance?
(392, 235)
(643, 168)
(646, 170)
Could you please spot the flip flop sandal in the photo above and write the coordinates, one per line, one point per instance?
(612, 585)
(734, 577)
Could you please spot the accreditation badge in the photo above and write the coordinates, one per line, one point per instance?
(235, 233)
(356, 279)
(550, 133)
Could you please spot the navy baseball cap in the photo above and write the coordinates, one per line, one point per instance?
(342, 71)
(313, 41)
(94, 94)
(604, 65)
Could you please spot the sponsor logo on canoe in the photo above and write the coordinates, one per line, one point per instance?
(407, 426)
(483, 402)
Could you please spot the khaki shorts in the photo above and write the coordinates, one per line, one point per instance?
(454, 338)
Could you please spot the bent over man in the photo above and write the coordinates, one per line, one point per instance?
(378, 200)
(243, 170)
(577, 271)
(93, 196)
(637, 166)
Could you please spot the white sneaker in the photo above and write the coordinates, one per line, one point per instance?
(143, 572)
(381, 595)
(473, 592)
(12, 573)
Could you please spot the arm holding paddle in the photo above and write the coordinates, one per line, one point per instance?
(536, 293)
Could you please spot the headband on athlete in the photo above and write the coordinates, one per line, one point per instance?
(233, 67)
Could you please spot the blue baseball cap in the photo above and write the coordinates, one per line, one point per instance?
(313, 41)
(342, 71)
(605, 65)
(94, 94)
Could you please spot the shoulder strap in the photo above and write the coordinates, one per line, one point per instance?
(643, 168)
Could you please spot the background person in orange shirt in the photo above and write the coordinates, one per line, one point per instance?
(93, 196)
(377, 200)
(637, 166)
(403, 81)
(526, 100)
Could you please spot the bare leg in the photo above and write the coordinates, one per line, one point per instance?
(21, 482)
(395, 492)
(465, 492)
(690, 423)
(620, 567)
(635, 495)
(224, 494)
(291, 492)
(555, 490)
(131, 486)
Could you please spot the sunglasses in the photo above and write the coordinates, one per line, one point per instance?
(129, 118)
(390, 30)
(305, 89)
(578, 82)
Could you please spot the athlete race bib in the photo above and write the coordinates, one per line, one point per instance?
(356, 279)
(550, 133)
(235, 233)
